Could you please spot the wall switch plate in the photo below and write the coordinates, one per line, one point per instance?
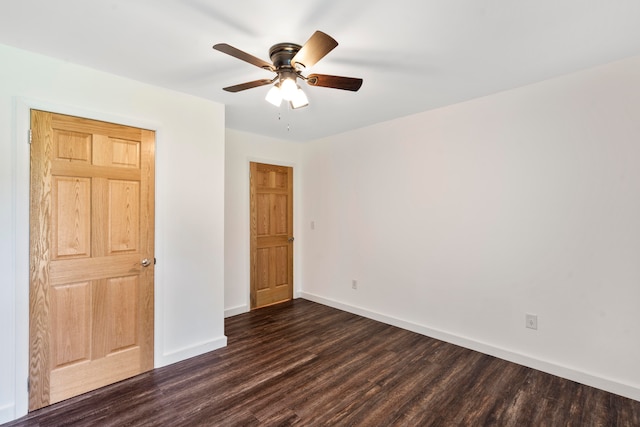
(313, 225)
(354, 284)
(531, 321)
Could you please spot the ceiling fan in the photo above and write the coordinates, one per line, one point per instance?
(288, 60)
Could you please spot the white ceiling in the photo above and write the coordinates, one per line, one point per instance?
(414, 55)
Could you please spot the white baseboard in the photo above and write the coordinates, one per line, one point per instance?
(192, 351)
(7, 413)
(605, 384)
(234, 311)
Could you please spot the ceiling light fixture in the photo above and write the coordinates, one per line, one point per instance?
(287, 88)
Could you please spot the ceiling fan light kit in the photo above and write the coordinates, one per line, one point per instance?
(288, 90)
(287, 61)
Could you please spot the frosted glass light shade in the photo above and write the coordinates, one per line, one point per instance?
(288, 88)
(274, 96)
(299, 100)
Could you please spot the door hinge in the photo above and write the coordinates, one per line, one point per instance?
(30, 136)
(28, 385)
(155, 261)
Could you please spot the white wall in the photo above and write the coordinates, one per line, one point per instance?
(189, 204)
(457, 222)
(241, 149)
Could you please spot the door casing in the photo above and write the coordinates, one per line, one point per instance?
(20, 137)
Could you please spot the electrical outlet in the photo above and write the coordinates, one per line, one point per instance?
(531, 321)
(354, 284)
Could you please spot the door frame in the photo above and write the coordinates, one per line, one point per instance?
(21, 193)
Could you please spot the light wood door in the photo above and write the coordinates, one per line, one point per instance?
(271, 234)
(92, 222)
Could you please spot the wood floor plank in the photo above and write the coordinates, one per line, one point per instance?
(302, 363)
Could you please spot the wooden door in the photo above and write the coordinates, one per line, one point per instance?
(271, 234)
(91, 227)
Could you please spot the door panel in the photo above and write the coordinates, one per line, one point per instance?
(70, 323)
(271, 234)
(71, 212)
(123, 215)
(92, 221)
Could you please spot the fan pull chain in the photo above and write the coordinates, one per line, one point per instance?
(288, 125)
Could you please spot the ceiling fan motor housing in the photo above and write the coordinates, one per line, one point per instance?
(281, 55)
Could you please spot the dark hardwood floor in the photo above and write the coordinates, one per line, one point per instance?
(302, 363)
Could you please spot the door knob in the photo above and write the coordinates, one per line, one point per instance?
(290, 239)
(145, 262)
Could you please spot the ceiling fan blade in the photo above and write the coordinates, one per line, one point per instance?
(335, 82)
(314, 49)
(244, 56)
(248, 85)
